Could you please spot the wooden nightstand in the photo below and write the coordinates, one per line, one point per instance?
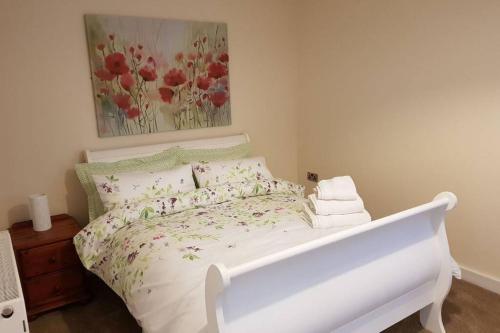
(51, 272)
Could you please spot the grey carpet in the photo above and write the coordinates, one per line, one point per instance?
(468, 309)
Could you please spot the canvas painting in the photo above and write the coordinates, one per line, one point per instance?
(152, 75)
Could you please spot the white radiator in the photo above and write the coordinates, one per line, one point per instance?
(12, 310)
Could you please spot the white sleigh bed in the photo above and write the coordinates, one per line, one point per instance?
(359, 280)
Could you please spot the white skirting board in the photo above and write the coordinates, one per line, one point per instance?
(479, 279)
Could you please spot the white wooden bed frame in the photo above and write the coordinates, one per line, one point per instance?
(363, 279)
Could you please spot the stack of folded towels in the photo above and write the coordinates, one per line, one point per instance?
(336, 203)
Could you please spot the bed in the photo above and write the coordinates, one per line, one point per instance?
(243, 259)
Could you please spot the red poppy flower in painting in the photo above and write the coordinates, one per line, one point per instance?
(122, 100)
(179, 56)
(222, 82)
(100, 47)
(127, 81)
(217, 70)
(116, 63)
(104, 75)
(218, 98)
(147, 73)
(166, 94)
(203, 83)
(198, 102)
(224, 57)
(175, 77)
(133, 113)
(152, 61)
(192, 56)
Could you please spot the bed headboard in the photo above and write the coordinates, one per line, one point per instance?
(113, 155)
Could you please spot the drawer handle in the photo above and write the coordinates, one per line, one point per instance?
(52, 260)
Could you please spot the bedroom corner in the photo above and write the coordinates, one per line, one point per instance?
(221, 165)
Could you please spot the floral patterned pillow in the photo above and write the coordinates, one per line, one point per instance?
(122, 188)
(222, 172)
(164, 160)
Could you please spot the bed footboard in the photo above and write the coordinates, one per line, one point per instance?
(361, 280)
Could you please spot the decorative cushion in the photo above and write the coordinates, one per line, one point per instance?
(221, 172)
(161, 161)
(122, 188)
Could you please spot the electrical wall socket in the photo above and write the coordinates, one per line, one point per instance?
(312, 176)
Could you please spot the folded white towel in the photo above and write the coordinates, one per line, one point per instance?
(336, 207)
(330, 221)
(337, 188)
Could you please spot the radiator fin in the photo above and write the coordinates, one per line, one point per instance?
(8, 282)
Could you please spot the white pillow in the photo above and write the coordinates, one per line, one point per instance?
(221, 172)
(121, 188)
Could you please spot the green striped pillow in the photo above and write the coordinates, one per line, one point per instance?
(216, 154)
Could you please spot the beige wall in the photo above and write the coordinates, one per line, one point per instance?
(405, 97)
(47, 111)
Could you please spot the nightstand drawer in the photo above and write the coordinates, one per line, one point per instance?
(47, 258)
(49, 287)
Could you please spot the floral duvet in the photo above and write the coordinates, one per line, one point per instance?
(155, 253)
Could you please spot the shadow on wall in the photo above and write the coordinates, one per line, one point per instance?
(76, 201)
(16, 211)
(76, 198)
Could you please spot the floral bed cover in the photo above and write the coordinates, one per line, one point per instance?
(155, 253)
